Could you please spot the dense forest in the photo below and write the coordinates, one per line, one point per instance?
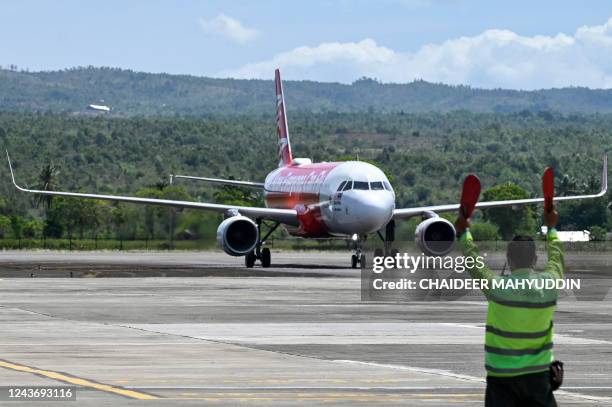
(136, 93)
(426, 156)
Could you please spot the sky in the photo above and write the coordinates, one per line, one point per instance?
(514, 44)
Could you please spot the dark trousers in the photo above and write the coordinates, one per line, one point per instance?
(520, 391)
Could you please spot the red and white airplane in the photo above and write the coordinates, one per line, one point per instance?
(319, 200)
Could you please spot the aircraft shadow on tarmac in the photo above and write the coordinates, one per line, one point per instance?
(62, 270)
(311, 266)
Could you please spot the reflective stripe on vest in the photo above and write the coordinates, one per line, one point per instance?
(524, 335)
(518, 337)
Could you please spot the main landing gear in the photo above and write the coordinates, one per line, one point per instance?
(387, 239)
(261, 254)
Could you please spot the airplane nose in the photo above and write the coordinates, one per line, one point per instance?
(371, 210)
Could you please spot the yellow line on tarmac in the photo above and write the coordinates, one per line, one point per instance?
(77, 381)
(328, 397)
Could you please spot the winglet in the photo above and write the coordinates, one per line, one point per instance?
(8, 157)
(604, 177)
(12, 173)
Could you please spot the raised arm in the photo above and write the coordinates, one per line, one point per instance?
(556, 262)
(462, 225)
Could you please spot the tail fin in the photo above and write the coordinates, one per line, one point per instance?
(283, 149)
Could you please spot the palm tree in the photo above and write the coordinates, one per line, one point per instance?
(568, 185)
(47, 182)
(592, 184)
(160, 184)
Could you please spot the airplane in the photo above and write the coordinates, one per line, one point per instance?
(349, 199)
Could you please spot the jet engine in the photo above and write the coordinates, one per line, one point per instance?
(435, 236)
(237, 235)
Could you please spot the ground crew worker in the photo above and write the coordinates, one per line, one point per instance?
(519, 329)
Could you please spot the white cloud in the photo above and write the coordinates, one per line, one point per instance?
(494, 58)
(228, 27)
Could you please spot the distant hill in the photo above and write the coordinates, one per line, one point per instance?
(131, 93)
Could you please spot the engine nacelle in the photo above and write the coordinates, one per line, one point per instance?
(435, 236)
(237, 235)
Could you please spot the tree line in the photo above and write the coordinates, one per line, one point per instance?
(130, 93)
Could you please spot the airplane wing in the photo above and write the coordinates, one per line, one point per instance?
(235, 183)
(405, 213)
(286, 216)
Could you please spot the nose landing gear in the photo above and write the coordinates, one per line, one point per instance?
(358, 258)
(261, 254)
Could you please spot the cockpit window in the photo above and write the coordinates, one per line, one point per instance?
(349, 185)
(376, 186)
(387, 186)
(341, 185)
(361, 185)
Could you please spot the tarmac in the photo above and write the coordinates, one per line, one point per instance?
(186, 328)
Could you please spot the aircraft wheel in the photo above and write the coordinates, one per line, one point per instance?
(354, 261)
(362, 261)
(266, 258)
(249, 260)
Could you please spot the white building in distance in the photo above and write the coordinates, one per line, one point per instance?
(571, 235)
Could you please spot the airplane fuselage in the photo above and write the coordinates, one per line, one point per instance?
(332, 199)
